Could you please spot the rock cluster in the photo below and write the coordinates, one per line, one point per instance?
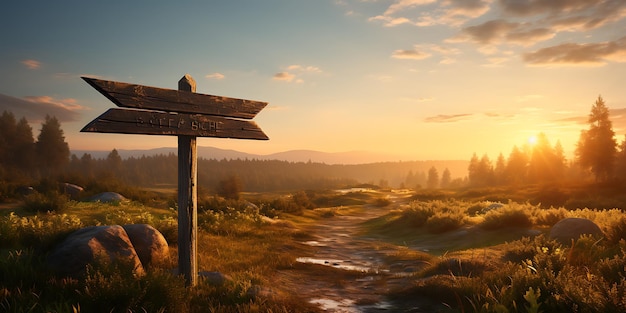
(137, 245)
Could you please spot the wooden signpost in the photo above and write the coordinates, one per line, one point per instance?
(188, 115)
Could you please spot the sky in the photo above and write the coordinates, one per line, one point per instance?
(414, 79)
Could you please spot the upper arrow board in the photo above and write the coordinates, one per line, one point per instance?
(145, 97)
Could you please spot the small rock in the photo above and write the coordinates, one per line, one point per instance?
(215, 278)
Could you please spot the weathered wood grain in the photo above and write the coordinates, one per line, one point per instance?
(188, 199)
(129, 121)
(146, 97)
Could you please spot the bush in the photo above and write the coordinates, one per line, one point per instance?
(40, 231)
(616, 231)
(549, 217)
(382, 202)
(504, 218)
(416, 217)
(41, 203)
(444, 222)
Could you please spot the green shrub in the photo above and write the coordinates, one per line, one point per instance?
(417, 214)
(40, 231)
(444, 222)
(549, 217)
(616, 230)
(505, 217)
(42, 203)
(382, 202)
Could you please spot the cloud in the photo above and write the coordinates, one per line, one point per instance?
(34, 109)
(443, 118)
(500, 25)
(420, 52)
(500, 31)
(215, 75)
(401, 5)
(31, 64)
(303, 68)
(294, 72)
(410, 54)
(284, 76)
(591, 54)
(447, 12)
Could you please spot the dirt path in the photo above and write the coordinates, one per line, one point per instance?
(349, 272)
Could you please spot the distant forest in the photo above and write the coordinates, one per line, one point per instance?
(30, 160)
(598, 158)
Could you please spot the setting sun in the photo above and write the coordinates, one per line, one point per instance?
(532, 140)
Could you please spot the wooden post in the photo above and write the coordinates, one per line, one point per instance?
(188, 115)
(187, 198)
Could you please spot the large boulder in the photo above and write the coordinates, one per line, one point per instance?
(572, 228)
(108, 197)
(138, 246)
(103, 244)
(149, 243)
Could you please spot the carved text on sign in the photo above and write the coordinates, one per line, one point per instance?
(178, 123)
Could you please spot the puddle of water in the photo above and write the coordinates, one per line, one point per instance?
(335, 306)
(336, 264)
(348, 190)
(314, 243)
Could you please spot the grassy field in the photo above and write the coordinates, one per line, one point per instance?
(473, 259)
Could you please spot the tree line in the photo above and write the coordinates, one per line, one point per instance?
(597, 155)
(24, 158)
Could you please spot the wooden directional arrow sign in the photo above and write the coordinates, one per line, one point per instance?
(182, 113)
(158, 111)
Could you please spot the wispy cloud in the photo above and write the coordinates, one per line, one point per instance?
(447, 12)
(284, 76)
(443, 118)
(420, 52)
(514, 23)
(34, 109)
(215, 75)
(591, 54)
(294, 73)
(413, 54)
(31, 64)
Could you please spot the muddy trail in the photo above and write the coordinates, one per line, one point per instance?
(349, 272)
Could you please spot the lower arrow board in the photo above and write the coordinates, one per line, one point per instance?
(127, 121)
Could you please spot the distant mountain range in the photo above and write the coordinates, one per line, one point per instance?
(351, 157)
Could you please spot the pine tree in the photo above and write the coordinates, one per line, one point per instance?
(433, 178)
(517, 167)
(446, 178)
(52, 152)
(596, 149)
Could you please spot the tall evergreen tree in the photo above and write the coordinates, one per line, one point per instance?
(517, 167)
(52, 152)
(23, 146)
(446, 178)
(433, 178)
(596, 149)
(7, 135)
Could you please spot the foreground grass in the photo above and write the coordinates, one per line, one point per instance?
(244, 246)
(478, 267)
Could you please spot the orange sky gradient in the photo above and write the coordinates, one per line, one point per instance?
(412, 79)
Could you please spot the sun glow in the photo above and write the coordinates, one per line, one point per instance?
(532, 140)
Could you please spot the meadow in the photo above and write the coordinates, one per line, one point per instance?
(466, 257)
